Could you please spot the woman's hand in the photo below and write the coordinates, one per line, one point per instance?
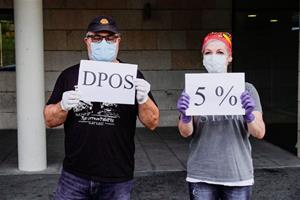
(182, 105)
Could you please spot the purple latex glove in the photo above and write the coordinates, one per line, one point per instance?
(248, 104)
(182, 105)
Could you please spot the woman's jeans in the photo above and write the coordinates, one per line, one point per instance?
(71, 187)
(204, 191)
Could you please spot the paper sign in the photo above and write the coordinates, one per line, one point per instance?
(215, 94)
(107, 82)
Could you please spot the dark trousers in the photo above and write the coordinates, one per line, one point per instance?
(71, 187)
(204, 191)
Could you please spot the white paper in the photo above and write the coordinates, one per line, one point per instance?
(107, 82)
(215, 94)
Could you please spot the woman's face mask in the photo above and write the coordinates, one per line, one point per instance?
(104, 51)
(215, 57)
(215, 63)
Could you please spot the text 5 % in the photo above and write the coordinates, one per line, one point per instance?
(219, 92)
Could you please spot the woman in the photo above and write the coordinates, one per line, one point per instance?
(220, 164)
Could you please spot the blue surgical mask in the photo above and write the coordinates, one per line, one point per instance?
(103, 51)
(215, 63)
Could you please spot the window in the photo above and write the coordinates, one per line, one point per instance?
(7, 40)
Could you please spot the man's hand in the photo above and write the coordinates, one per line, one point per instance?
(248, 104)
(182, 105)
(70, 99)
(142, 89)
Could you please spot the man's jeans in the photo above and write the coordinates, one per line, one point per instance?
(71, 187)
(204, 191)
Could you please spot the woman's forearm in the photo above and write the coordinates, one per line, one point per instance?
(257, 127)
(185, 129)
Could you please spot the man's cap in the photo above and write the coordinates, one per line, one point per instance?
(221, 36)
(103, 23)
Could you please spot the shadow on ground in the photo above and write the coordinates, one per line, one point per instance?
(270, 184)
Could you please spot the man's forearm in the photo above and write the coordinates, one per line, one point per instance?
(149, 114)
(54, 115)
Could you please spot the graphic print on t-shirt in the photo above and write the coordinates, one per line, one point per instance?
(98, 114)
(217, 118)
(83, 105)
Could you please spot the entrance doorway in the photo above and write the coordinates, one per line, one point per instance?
(266, 41)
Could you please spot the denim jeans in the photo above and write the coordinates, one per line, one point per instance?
(71, 187)
(204, 191)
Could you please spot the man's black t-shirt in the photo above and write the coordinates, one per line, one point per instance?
(99, 137)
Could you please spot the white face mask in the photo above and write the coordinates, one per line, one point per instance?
(215, 63)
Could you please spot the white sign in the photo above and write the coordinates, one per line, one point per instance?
(215, 94)
(107, 82)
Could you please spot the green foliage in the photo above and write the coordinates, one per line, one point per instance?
(8, 43)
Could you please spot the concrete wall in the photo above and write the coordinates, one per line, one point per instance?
(165, 46)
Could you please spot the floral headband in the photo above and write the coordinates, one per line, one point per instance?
(221, 36)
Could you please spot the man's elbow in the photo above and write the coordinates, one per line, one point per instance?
(46, 117)
(49, 124)
(154, 123)
(50, 121)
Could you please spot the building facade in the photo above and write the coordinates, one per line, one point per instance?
(164, 38)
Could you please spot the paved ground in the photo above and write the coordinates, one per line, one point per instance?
(152, 149)
(160, 168)
(271, 184)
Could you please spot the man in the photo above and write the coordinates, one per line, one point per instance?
(99, 137)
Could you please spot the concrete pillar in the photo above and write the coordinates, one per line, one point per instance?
(298, 142)
(30, 84)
